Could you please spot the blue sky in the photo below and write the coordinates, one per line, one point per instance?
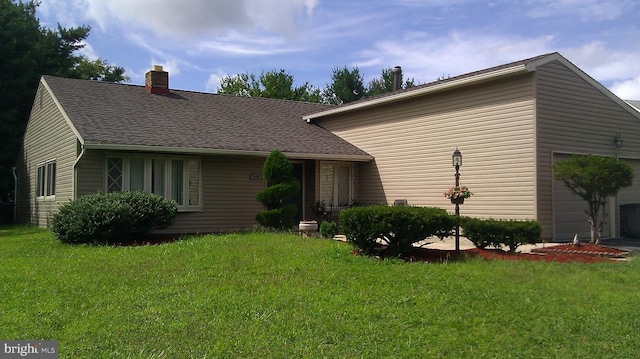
(200, 41)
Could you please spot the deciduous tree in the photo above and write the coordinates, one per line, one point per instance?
(594, 179)
(271, 84)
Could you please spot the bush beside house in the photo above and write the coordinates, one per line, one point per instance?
(107, 218)
(396, 228)
(498, 233)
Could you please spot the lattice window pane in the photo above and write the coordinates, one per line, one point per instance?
(114, 174)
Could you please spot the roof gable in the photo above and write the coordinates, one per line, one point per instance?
(117, 116)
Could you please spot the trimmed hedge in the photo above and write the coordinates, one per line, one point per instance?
(497, 233)
(281, 185)
(106, 218)
(328, 229)
(397, 227)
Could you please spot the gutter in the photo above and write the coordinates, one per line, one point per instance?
(75, 163)
(208, 151)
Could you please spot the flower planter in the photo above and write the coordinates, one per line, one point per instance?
(459, 200)
(308, 227)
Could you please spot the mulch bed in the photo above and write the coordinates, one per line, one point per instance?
(585, 253)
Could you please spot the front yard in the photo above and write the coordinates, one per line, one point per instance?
(282, 296)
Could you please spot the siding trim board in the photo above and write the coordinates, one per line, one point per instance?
(61, 109)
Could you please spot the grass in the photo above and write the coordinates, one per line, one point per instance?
(281, 296)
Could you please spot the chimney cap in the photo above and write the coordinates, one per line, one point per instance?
(156, 68)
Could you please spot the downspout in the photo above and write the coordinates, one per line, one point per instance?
(15, 193)
(75, 173)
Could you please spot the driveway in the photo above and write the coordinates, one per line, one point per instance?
(625, 244)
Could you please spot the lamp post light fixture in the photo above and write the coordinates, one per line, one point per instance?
(456, 160)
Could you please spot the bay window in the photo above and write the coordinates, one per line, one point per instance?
(174, 178)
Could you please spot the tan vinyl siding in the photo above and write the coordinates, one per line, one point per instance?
(47, 137)
(229, 194)
(574, 116)
(90, 173)
(412, 142)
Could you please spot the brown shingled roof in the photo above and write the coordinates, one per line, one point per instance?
(116, 114)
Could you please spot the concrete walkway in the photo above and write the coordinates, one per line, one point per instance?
(625, 244)
(449, 243)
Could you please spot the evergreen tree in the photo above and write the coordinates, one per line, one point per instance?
(29, 51)
(277, 171)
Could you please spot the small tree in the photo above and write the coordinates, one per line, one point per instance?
(594, 179)
(280, 185)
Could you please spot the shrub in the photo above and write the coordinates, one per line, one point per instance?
(398, 227)
(104, 218)
(281, 184)
(328, 229)
(496, 233)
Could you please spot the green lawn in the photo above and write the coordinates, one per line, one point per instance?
(281, 296)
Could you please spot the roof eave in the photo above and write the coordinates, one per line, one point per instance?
(214, 151)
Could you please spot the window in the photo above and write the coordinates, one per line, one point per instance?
(336, 183)
(174, 178)
(46, 180)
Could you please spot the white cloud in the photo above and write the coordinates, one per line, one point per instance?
(171, 66)
(426, 58)
(234, 43)
(598, 10)
(213, 82)
(602, 63)
(186, 19)
(88, 51)
(627, 89)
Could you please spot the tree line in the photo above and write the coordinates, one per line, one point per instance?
(347, 85)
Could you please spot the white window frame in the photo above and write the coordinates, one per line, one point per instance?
(167, 177)
(334, 201)
(46, 180)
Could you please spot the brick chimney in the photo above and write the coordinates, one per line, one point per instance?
(157, 81)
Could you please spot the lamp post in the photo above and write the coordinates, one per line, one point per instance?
(456, 160)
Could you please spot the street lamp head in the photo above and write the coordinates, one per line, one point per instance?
(456, 158)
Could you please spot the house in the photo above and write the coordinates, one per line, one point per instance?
(511, 123)
(203, 150)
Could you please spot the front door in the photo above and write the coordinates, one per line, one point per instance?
(297, 198)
